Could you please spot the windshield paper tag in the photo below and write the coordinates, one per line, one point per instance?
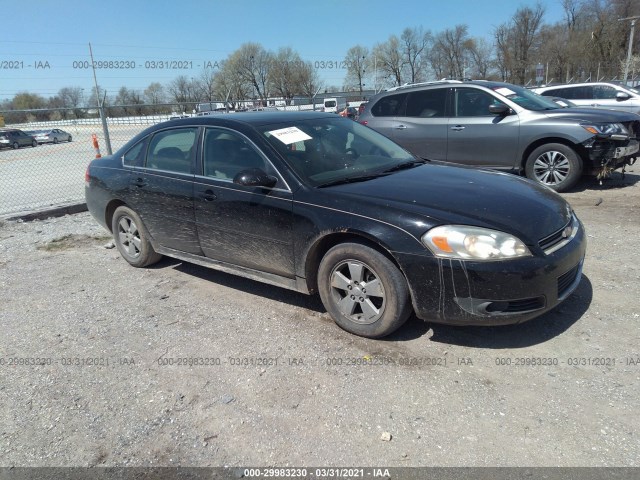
(290, 135)
(505, 92)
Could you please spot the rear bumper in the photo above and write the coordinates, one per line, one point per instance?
(493, 293)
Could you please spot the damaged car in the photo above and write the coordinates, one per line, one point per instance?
(505, 127)
(320, 204)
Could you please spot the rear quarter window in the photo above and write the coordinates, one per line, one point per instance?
(390, 106)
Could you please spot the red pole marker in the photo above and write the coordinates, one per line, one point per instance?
(96, 146)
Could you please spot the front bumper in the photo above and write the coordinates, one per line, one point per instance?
(610, 154)
(492, 293)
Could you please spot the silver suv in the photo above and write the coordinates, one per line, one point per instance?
(596, 94)
(503, 126)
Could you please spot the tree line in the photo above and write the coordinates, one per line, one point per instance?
(588, 43)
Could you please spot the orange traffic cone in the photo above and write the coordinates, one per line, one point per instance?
(96, 146)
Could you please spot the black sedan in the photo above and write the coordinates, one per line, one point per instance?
(318, 203)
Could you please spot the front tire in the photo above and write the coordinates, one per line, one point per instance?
(363, 291)
(15, 145)
(132, 239)
(555, 165)
(34, 144)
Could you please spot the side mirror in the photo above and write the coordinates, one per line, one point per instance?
(499, 109)
(622, 96)
(255, 177)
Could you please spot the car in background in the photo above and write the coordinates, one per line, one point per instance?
(596, 94)
(497, 125)
(361, 108)
(563, 102)
(55, 135)
(15, 138)
(349, 112)
(318, 203)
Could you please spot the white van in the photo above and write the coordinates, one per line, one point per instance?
(335, 104)
(596, 94)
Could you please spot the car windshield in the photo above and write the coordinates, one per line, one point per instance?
(630, 89)
(324, 151)
(525, 98)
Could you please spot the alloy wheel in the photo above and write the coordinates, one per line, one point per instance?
(357, 292)
(129, 237)
(551, 167)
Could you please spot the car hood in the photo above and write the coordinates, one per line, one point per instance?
(596, 115)
(442, 194)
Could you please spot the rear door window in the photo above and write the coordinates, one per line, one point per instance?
(427, 103)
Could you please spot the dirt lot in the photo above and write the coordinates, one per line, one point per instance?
(181, 365)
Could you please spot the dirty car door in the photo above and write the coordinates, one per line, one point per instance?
(241, 225)
(162, 190)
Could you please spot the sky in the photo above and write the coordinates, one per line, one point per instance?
(45, 44)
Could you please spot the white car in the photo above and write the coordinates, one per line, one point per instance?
(55, 135)
(596, 94)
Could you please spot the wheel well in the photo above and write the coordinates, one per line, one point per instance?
(323, 245)
(110, 210)
(543, 141)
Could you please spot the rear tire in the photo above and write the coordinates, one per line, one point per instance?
(363, 291)
(555, 165)
(15, 145)
(34, 144)
(69, 138)
(132, 239)
(55, 140)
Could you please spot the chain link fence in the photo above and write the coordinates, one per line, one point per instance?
(51, 174)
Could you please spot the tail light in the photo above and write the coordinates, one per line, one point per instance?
(87, 177)
(364, 122)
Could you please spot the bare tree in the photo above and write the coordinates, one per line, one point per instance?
(357, 63)
(206, 85)
(154, 93)
(452, 47)
(285, 74)
(515, 40)
(389, 61)
(183, 92)
(414, 46)
(252, 62)
(229, 85)
(481, 56)
(309, 80)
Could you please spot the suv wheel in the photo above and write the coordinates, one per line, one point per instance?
(15, 145)
(132, 239)
(363, 291)
(555, 165)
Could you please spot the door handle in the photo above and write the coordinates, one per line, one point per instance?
(209, 196)
(139, 182)
(401, 127)
(457, 128)
(594, 105)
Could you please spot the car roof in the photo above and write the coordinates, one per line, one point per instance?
(584, 84)
(250, 118)
(444, 83)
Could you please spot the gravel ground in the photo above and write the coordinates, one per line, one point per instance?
(273, 381)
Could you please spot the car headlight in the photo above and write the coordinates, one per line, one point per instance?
(605, 128)
(473, 243)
